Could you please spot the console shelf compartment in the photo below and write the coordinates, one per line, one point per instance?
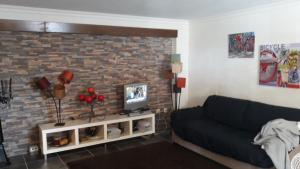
(78, 136)
(91, 134)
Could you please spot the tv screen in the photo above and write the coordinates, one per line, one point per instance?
(135, 96)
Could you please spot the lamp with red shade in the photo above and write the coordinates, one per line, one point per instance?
(180, 84)
(177, 83)
(43, 84)
(58, 92)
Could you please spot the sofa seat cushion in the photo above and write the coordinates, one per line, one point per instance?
(224, 140)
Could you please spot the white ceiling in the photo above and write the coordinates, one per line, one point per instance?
(179, 9)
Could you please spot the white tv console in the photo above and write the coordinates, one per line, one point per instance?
(75, 130)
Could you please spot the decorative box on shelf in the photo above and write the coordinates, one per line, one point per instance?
(80, 133)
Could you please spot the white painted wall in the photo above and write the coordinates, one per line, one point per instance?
(212, 72)
(41, 14)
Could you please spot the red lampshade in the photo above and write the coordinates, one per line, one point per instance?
(181, 82)
(59, 91)
(66, 76)
(43, 83)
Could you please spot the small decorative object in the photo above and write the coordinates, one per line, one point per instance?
(177, 83)
(91, 131)
(59, 141)
(279, 65)
(144, 125)
(58, 92)
(91, 98)
(5, 101)
(113, 132)
(241, 45)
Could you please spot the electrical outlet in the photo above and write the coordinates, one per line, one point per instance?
(33, 149)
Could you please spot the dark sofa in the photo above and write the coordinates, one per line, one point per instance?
(227, 126)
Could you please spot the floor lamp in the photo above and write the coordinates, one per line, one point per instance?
(178, 82)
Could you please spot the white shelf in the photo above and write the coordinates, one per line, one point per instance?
(76, 127)
(138, 134)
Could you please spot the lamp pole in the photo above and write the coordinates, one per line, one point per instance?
(176, 92)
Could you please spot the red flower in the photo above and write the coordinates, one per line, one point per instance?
(82, 97)
(91, 90)
(94, 96)
(101, 98)
(89, 99)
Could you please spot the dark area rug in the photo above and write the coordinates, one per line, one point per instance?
(162, 155)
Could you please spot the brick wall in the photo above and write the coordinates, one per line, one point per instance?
(103, 62)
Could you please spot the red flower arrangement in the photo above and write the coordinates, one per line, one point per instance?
(91, 98)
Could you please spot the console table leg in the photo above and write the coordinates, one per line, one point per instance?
(45, 157)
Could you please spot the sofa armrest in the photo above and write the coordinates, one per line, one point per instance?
(294, 152)
(187, 114)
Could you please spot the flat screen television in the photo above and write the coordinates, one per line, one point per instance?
(135, 96)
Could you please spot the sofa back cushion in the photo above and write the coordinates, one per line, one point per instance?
(244, 114)
(226, 110)
(258, 114)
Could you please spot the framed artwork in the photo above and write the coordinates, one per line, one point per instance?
(241, 45)
(279, 65)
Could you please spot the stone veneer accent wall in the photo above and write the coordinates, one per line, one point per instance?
(103, 62)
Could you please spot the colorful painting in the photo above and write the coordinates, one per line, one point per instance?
(279, 65)
(241, 45)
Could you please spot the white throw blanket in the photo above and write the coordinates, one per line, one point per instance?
(277, 138)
